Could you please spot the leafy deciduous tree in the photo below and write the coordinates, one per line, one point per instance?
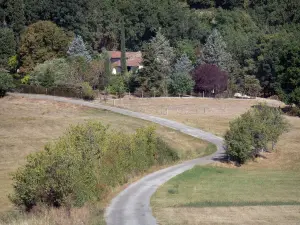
(6, 83)
(251, 85)
(40, 42)
(209, 79)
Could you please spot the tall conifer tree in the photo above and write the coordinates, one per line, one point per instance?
(123, 49)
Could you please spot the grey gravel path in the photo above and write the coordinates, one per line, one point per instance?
(132, 206)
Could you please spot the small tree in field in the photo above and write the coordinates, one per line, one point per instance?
(209, 79)
(250, 134)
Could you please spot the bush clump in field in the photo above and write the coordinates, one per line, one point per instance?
(6, 83)
(250, 134)
(87, 91)
(85, 163)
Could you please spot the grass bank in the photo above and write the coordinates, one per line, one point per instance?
(217, 186)
(217, 195)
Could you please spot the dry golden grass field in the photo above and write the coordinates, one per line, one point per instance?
(210, 114)
(189, 202)
(26, 125)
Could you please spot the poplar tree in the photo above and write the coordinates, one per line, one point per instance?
(123, 50)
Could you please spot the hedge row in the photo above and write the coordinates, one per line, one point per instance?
(85, 163)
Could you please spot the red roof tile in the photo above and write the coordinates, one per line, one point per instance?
(136, 62)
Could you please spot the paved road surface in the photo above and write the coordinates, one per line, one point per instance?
(132, 206)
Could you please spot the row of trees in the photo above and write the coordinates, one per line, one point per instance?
(259, 37)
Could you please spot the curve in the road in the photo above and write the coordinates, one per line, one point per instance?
(132, 206)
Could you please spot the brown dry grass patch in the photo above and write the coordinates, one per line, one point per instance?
(210, 114)
(247, 215)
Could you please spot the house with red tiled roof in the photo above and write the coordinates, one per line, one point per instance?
(133, 61)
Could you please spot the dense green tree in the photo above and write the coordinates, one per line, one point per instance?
(289, 74)
(239, 32)
(40, 42)
(157, 61)
(107, 69)
(7, 46)
(201, 4)
(250, 134)
(251, 86)
(275, 12)
(189, 48)
(3, 12)
(15, 15)
(149, 80)
(181, 83)
(267, 59)
(51, 73)
(6, 83)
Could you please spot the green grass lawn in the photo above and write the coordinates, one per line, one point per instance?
(215, 186)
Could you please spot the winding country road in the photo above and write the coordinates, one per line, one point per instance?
(132, 206)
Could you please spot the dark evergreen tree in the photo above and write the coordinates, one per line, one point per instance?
(7, 46)
(123, 50)
(15, 15)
